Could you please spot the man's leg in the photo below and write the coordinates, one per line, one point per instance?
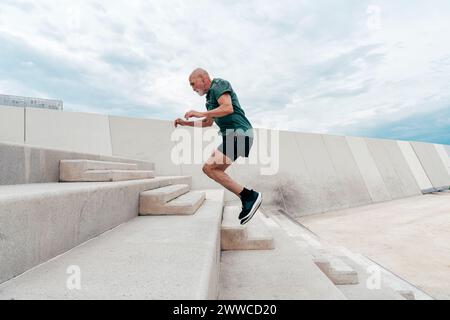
(215, 168)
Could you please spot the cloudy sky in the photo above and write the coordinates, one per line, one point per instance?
(354, 67)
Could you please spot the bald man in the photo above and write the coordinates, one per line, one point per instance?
(223, 108)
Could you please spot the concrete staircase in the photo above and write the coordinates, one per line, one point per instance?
(43, 220)
(157, 257)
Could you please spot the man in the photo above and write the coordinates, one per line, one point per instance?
(223, 107)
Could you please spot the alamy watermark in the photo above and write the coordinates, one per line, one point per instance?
(373, 21)
(196, 147)
(74, 280)
(374, 280)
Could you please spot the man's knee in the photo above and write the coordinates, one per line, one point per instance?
(208, 169)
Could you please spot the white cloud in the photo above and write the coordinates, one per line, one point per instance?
(316, 66)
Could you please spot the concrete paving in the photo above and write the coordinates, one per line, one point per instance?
(146, 258)
(409, 237)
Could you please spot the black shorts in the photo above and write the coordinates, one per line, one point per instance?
(235, 146)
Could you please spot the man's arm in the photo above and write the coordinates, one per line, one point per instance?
(207, 122)
(225, 108)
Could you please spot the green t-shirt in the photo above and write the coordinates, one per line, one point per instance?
(237, 121)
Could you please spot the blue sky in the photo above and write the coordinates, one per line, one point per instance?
(354, 67)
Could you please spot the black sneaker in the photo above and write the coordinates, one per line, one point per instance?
(250, 206)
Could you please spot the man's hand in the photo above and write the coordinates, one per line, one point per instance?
(193, 114)
(179, 122)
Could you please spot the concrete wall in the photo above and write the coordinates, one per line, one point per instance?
(432, 164)
(443, 155)
(292, 187)
(12, 124)
(144, 139)
(393, 168)
(317, 173)
(80, 132)
(447, 148)
(415, 167)
(369, 170)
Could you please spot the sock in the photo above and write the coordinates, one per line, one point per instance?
(245, 194)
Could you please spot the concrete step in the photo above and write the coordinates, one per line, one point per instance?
(73, 170)
(175, 257)
(171, 180)
(100, 171)
(287, 272)
(371, 286)
(41, 221)
(115, 175)
(187, 204)
(339, 272)
(163, 195)
(252, 236)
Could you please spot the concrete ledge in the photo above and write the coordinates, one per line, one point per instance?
(335, 269)
(40, 221)
(20, 164)
(114, 175)
(253, 236)
(163, 195)
(145, 258)
(72, 170)
(367, 289)
(186, 204)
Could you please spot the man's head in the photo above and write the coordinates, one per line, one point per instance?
(200, 81)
